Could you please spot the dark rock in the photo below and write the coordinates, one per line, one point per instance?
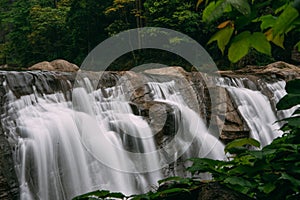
(234, 125)
(215, 191)
(20, 83)
(9, 186)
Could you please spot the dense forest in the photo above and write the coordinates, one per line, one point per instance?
(233, 31)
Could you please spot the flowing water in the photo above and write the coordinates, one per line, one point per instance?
(256, 108)
(65, 145)
(64, 148)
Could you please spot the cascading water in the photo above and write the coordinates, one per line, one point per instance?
(65, 148)
(99, 138)
(256, 108)
(191, 125)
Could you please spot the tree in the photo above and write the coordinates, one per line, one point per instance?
(86, 22)
(125, 14)
(47, 37)
(35, 31)
(177, 15)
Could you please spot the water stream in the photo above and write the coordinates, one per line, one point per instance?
(94, 140)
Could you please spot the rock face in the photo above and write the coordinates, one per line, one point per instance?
(20, 84)
(212, 102)
(215, 191)
(9, 187)
(277, 70)
(55, 65)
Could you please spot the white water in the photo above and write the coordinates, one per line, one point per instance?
(192, 136)
(63, 149)
(256, 108)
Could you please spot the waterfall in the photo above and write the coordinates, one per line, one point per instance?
(255, 107)
(192, 128)
(63, 148)
(69, 139)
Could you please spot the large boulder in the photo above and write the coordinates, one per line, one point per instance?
(45, 66)
(276, 70)
(55, 65)
(64, 66)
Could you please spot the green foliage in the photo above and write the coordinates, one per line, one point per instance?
(126, 14)
(244, 41)
(34, 31)
(169, 188)
(238, 145)
(86, 22)
(103, 194)
(251, 27)
(175, 14)
(222, 37)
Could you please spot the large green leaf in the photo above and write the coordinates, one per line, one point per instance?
(215, 10)
(234, 180)
(293, 86)
(298, 46)
(293, 121)
(292, 98)
(241, 142)
(241, 5)
(175, 179)
(204, 165)
(295, 182)
(285, 20)
(222, 37)
(98, 193)
(260, 43)
(288, 101)
(267, 21)
(239, 47)
(170, 192)
(267, 188)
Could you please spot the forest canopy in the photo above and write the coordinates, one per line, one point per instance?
(234, 32)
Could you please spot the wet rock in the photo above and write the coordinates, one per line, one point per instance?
(20, 83)
(234, 125)
(26, 83)
(9, 186)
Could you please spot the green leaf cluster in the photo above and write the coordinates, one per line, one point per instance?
(249, 27)
(169, 188)
(33, 31)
